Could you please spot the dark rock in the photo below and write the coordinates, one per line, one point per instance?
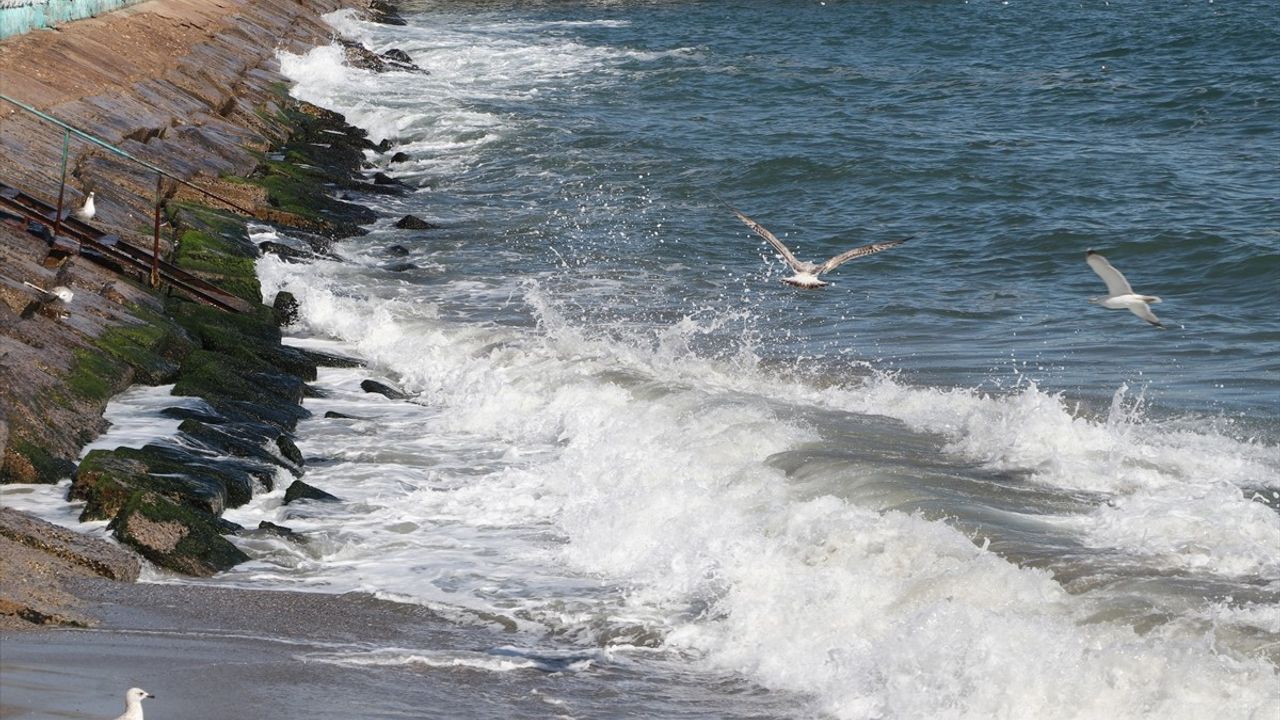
(401, 267)
(289, 450)
(285, 308)
(333, 414)
(226, 527)
(397, 251)
(223, 440)
(373, 386)
(359, 56)
(400, 157)
(174, 536)
(413, 222)
(182, 413)
(302, 491)
(327, 359)
(285, 252)
(398, 55)
(384, 11)
(383, 146)
(106, 479)
(398, 59)
(271, 528)
(98, 556)
(381, 178)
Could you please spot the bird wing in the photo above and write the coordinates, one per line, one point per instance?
(763, 232)
(1116, 284)
(42, 291)
(1144, 312)
(858, 252)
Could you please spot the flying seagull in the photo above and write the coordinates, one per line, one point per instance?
(806, 273)
(133, 704)
(1119, 295)
(86, 211)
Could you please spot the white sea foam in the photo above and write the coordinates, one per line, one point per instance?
(616, 487)
(663, 486)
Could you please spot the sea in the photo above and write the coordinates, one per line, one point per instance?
(945, 486)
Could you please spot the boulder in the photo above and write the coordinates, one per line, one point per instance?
(397, 251)
(285, 308)
(174, 536)
(97, 556)
(373, 386)
(302, 491)
(413, 222)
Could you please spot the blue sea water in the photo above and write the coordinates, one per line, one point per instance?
(944, 486)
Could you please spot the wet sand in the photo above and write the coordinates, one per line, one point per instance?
(216, 653)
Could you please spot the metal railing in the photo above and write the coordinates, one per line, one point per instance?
(161, 174)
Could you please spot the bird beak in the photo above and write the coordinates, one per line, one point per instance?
(151, 696)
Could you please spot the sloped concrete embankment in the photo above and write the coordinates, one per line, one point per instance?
(217, 112)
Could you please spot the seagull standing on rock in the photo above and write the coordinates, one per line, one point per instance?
(58, 293)
(86, 211)
(1119, 295)
(806, 273)
(133, 703)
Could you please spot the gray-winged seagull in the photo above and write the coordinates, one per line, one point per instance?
(1119, 295)
(806, 273)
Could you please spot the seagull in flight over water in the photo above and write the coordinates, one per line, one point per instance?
(1119, 295)
(806, 273)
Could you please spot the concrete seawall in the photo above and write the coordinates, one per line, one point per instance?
(20, 16)
(191, 86)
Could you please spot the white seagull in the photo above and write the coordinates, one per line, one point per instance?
(86, 211)
(806, 273)
(1119, 295)
(133, 704)
(59, 292)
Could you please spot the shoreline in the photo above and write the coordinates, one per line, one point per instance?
(195, 89)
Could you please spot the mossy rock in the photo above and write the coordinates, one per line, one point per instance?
(220, 262)
(154, 349)
(107, 478)
(95, 376)
(27, 462)
(251, 446)
(289, 450)
(302, 491)
(174, 536)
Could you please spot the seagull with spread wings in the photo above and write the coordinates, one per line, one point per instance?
(1120, 296)
(806, 273)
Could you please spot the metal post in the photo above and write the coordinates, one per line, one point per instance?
(57, 218)
(155, 245)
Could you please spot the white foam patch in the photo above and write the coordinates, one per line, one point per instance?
(661, 486)
(499, 660)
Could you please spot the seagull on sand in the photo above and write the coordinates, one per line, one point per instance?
(1119, 295)
(86, 211)
(806, 273)
(133, 704)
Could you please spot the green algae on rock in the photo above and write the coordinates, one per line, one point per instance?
(174, 536)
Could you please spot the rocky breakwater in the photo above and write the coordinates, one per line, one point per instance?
(202, 98)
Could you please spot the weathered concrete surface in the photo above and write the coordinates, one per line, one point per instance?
(36, 559)
(189, 85)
